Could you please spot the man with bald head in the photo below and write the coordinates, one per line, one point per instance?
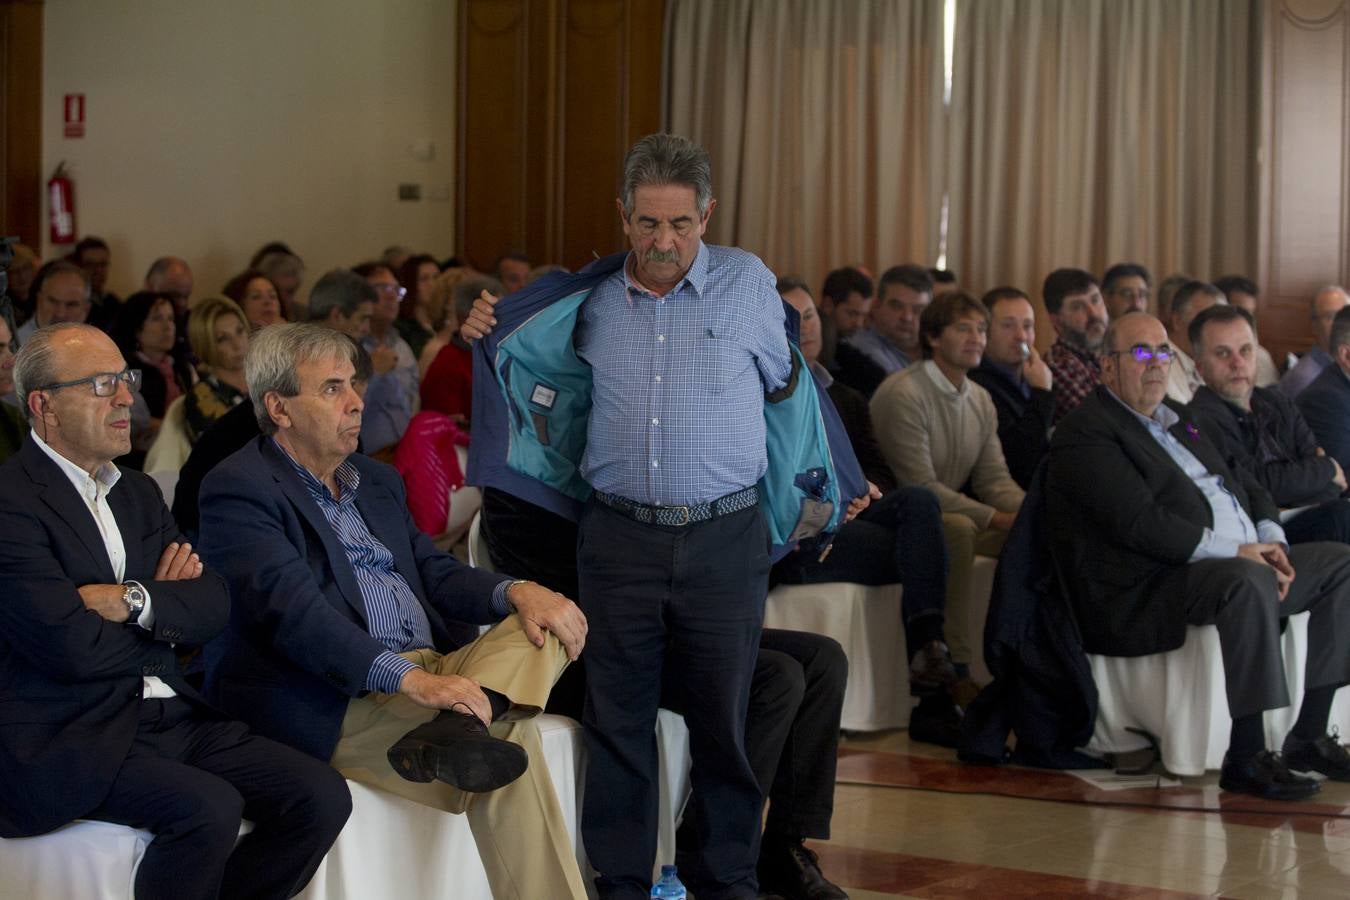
(1174, 537)
(173, 276)
(100, 594)
(1328, 301)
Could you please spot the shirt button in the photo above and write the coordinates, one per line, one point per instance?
(656, 421)
(655, 464)
(658, 379)
(660, 338)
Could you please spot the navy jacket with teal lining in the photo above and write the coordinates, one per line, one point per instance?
(532, 401)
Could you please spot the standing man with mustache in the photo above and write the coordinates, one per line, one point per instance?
(1078, 313)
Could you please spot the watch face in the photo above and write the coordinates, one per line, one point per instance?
(134, 597)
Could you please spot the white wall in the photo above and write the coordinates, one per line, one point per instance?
(214, 127)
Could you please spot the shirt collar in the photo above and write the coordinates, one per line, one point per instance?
(1163, 417)
(696, 277)
(935, 375)
(105, 476)
(348, 478)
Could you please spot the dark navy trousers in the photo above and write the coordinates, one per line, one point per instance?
(687, 602)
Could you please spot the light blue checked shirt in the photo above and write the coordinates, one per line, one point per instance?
(393, 614)
(678, 403)
(1232, 526)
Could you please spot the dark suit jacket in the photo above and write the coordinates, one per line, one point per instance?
(856, 369)
(71, 681)
(1273, 442)
(1023, 422)
(1123, 515)
(1326, 406)
(224, 438)
(297, 647)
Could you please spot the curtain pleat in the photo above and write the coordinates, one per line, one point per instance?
(1089, 132)
(825, 123)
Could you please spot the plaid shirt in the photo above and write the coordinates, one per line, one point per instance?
(1075, 373)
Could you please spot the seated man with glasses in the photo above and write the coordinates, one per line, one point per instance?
(1152, 532)
(99, 593)
(391, 357)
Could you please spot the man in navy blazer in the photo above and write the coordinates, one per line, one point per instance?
(97, 720)
(343, 638)
(1325, 403)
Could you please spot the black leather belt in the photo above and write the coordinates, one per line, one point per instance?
(681, 515)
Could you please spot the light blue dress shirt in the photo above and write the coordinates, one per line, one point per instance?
(678, 403)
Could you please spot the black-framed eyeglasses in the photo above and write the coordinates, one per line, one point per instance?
(1145, 354)
(105, 383)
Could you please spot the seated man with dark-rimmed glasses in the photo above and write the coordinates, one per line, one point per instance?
(100, 593)
(1152, 531)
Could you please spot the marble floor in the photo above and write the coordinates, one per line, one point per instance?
(912, 821)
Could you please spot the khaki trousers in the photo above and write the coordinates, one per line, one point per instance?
(965, 540)
(518, 828)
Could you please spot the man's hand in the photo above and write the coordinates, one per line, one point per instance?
(543, 610)
(1036, 372)
(444, 691)
(1339, 478)
(1271, 555)
(1003, 520)
(178, 563)
(858, 504)
(383, 359)
(480, 321)
(106, 600)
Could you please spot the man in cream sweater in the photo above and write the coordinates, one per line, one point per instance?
(939, 429)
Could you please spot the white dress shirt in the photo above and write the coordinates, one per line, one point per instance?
(94, 491)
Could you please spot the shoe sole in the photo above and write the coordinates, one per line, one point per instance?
(473, 766)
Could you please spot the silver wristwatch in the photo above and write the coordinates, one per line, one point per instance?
(134, 596)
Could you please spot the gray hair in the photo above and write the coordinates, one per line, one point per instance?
(35, 365)
(277, 352)
(468, 290)
(340, 289)
(660, 159)
(280, 265)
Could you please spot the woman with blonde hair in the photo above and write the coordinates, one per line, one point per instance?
(219, 334)
(440, 312)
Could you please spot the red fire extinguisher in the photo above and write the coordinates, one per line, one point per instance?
(61, 206)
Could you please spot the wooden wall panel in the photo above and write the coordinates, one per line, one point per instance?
(21, 120)
(1306, 227)
(552, 94)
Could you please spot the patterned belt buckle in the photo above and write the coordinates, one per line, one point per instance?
(686, 514)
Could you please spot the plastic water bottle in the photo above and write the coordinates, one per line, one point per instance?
(669, 887)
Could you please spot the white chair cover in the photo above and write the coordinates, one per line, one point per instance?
(391, 848)
(867, 623)
(1179, 696)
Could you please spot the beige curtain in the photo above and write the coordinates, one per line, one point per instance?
(1088, 132)
(824, 121)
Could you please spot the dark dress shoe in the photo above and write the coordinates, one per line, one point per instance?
(1265, 775)
(789, 869)
(936, 720)
(931, 668)
(1325, 755)
(457, 749)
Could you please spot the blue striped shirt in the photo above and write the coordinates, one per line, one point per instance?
(394, 616)
(678, 405)
(1232, 526)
